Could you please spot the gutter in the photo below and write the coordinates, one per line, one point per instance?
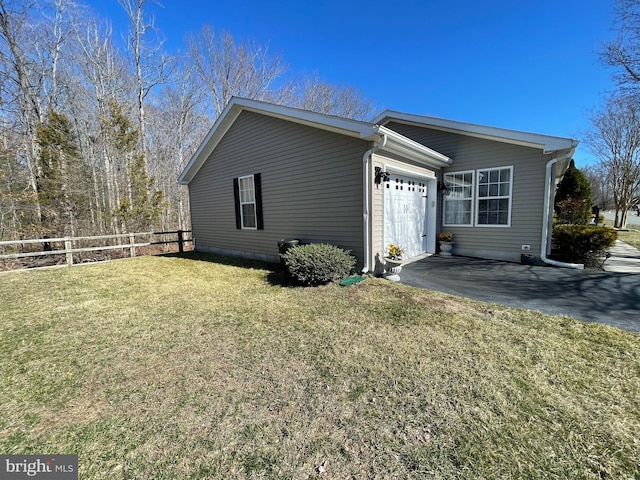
(366, 166)
(547, 219)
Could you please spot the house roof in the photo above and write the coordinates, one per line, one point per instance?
(548, 144)
(395, 143)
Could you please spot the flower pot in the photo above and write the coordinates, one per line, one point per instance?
(392, 269)
(446, 248)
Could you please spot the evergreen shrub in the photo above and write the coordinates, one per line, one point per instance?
(318, 263)
(581, 243)
(573, 197)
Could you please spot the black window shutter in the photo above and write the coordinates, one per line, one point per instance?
(236, 197)
(257, 183)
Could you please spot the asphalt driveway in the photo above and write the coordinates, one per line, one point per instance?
(589, 295)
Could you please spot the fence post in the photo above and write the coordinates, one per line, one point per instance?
(132, 242)
(180, 240)
(67, 251)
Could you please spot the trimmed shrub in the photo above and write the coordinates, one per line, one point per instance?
(318, 263)
(581, 243)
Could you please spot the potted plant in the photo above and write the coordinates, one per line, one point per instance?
(446, 243)
(393, 262)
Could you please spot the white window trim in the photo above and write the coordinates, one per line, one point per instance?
(255, 207)
(473, 203)
(477, 197)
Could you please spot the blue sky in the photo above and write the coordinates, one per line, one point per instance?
(523, 65)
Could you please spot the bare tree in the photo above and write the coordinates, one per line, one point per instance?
(228, 69)
(151, 65)
(32, 41)
(92, 140)
(601, 194)
(58, 20)
(16, 197)
(615, 140)
(107, 85)
(179, 123)
(623, 53)
(29, 113)
(321, 96)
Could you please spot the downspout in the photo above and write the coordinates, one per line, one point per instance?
(365, 207)
(547, 219)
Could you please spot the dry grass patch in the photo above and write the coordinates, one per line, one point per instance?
(632, 237)
(167, 367)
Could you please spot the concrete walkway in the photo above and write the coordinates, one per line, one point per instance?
(624, 259)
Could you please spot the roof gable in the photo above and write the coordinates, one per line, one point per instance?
(237, 105)
(546, 143)
(393, 141)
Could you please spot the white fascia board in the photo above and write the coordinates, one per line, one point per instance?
(546, 143)
(401, 145)
(342, 126)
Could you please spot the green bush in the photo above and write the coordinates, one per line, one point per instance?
(318, 263)
(581, 243)
(573, 211)
(573, 197)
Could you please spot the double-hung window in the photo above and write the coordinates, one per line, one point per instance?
(248, 202)
(494, 197)
(458, 202)
(478, 198)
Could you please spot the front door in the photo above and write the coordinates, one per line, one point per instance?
(405, 214)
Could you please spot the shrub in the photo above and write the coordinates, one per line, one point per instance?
(318, 263)
(581, 243)
(573, 211)
(573, 197)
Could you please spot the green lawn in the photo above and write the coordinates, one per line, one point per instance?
(188, 368)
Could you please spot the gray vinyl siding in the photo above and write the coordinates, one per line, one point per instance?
(470, 153)
(311, 188)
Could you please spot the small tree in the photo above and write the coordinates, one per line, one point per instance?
(62, 174)
(573, 197)
(142, 205)
(142, 208)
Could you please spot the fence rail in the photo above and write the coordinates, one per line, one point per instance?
(69, 249)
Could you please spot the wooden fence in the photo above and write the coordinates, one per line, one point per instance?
(69, 245)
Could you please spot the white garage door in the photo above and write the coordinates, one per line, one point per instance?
(405, 214)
